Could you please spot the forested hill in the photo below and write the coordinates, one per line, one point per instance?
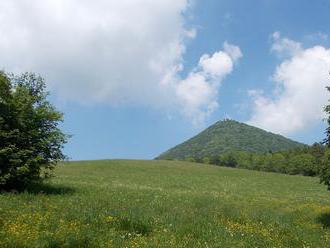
(229, 135)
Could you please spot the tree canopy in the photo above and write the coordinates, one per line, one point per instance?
(31, 141)
(325, 171)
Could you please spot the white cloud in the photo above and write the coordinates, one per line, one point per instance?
(95, 51)
(109, 51)
(233, 51)
(299, 96)
(198, 97)
(284, 46)
(199, 91)
(219, 65)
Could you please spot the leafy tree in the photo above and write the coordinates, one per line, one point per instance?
(302, 164)
(244, 159)
(278, 163)
(30, 140)
(325, 171)
(327, 131)
(190, 159)
(228, 160)
(206, 160)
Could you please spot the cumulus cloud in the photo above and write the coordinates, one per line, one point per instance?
(96, 51)
(109, 51)
(299, 95)
(198, 92)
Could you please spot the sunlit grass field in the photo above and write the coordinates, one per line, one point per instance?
(122, 203)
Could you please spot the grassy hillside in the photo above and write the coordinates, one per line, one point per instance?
(166, 204)
(229, 135)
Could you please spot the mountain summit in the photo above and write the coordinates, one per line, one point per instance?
(229, 135)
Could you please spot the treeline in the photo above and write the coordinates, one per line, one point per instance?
(305, 161)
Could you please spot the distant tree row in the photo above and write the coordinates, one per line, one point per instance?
(305, 161)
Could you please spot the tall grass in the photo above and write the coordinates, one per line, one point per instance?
(124, 203)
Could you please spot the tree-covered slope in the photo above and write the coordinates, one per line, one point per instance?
(229, 135)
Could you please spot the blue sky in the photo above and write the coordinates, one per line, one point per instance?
(135, 78)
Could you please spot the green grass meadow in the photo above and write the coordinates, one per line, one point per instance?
(123, 203)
